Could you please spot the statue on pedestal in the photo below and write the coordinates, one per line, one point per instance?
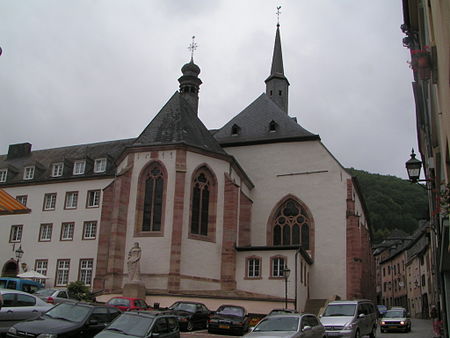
(133, 263)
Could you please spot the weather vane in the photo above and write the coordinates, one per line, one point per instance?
(192, 47)
(278, 15)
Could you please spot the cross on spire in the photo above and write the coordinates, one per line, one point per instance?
(192, 47)
(278, 15)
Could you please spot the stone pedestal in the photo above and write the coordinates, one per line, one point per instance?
(134, 290)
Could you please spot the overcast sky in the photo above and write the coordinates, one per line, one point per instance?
(75, 72)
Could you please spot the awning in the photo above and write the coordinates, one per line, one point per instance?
(10, 206)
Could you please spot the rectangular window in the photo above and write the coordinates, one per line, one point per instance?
(41, 266)
(67, 231)
(93, 199)
(50, 201)
(28, 173)
(45, 232)
(254, 268)
(86, 268)
(62, 272)
(71, 200)
(79, 167)
(22, 199)
(100, 165)
(277, 267)
(3, 175)
(16, 233)
(57, 169)
(90, 230)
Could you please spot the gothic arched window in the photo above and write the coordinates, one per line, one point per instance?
(153, 199)
(290, 225)
(203, 202)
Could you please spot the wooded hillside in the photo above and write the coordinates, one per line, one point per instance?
(393, 203)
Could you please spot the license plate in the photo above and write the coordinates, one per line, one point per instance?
(222, 326)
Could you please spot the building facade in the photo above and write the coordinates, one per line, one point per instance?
(220, 212)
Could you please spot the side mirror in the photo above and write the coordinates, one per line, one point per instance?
(306, 328)
(361, 315)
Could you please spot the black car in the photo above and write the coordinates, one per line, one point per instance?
(229, 319)
(191, 315)
(67, 320)
(142, 324)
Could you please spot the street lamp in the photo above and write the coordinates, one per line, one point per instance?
(19, 254)
(286, 273)
(413, 166)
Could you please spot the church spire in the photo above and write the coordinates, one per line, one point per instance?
(277, 84)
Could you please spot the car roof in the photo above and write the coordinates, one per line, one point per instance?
(356, 301)
(151, 314)
(131, 298)
(298, 315)
(3, 291)
(188, 302)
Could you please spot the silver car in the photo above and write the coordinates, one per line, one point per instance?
(54, 296)
(293, 325)
(18, 306)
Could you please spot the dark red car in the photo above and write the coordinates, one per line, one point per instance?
(129, 303)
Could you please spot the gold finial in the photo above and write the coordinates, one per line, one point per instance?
(278, 15)
(192, 47)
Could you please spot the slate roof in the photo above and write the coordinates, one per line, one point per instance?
(253, 125)
(177, 123)
(43, 160)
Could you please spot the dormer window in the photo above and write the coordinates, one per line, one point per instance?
(79, 167)
(273, 126)
(100, 165)
(235, 129)
(57, 169)
(28, 173)
(3, 175)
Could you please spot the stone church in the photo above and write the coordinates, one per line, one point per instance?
(217, 213)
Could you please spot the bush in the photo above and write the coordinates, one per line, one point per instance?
(79, 291)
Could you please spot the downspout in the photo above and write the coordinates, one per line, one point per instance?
(296, 255)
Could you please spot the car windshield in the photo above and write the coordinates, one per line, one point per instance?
(71, 312)
(183, 307)
(44, 292)
(340, 310)
(230, 310)
(277, 324)
(133, 325)
(394, 314)
(119, 302)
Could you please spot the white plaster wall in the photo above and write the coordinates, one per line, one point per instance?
(324, 193)
(55, 249)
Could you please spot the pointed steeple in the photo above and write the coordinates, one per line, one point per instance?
(277, 85)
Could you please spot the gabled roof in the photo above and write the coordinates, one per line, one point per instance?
(9, 205)
(177, 123)
(254, 126)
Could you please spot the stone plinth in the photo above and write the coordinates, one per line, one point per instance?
(134, 290)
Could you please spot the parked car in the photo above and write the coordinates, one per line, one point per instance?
(191, 315)
(281, 311)
(68, 320)
(395, 320)
(54, 296)
(128, 303)
(289, 326)
(142, 324)
(229, 319)
(19, 306)
(381, 309)
(350, 318)
(25, 285)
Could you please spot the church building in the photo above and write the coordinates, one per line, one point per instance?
(258, 210)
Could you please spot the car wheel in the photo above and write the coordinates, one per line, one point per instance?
(357, 334)
(189, 326)
(373, 333)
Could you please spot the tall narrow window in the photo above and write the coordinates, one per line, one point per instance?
(290, 225)
(15, 235)
(200, 205)
(86, 268)
(49, 201)
(3, 175)
(62, 272)
(100, 165)
(93, 199)
(57, 169)
(253, 267)
(278, 266)
(153, 199)
(41, 266)
(45, 232)
(28, 173)
(71, 200)
(90, 230)
(67, 231)
(79, 167)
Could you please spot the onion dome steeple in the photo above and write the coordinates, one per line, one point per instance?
(189, 81)
(277, 85)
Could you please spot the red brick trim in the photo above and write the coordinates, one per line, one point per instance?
(140, 200)
(245, 220)
(311, 223)
(177, 225)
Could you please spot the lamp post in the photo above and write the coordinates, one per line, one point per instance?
(286, 273)
(19, 254)
(413, 166)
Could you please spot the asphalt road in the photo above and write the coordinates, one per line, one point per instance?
(421, 328)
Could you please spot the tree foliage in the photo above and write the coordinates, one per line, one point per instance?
(78, 290)
(392, 203)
